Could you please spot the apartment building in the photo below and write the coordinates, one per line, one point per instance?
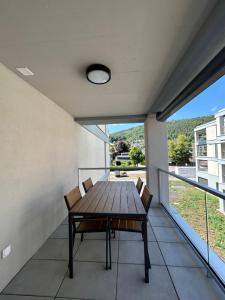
(210, 154)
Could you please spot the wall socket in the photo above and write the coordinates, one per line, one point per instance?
(6, 251)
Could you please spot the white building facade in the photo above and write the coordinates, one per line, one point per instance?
(210, 154)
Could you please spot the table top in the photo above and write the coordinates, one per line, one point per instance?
(110, 198)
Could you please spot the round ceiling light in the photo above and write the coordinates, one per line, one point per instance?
(98, 74)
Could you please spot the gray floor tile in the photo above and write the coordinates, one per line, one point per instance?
(65, 222)
(131, 285)
(194, 284)
(177, 254)
(166, 234)
(133, 236)
(98, 236)
(161, 221)
(158, 212)
(132, 252)
(91, 281)
(60, 233)
(16, 297)
(55, 249)
(38, 277)
(94, 250)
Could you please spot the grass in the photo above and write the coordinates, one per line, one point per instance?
(190, 203)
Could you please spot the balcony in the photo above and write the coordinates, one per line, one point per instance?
(53, 122)
(175, 267)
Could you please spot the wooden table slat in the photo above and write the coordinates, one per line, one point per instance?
(119, 198)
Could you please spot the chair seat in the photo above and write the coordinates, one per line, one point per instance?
(126, 225)
(92, 225)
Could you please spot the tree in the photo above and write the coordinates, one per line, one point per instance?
(179, 150)
(136, 155)
(122, 146)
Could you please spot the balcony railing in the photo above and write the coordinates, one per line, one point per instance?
(195, 208)
(112, 173)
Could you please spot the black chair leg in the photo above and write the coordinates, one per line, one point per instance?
(149, 262)
(110, 258)
(74, 232)
(106, 246)
(82, 237)
(146, 256)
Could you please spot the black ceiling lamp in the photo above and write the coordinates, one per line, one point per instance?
(98, 74)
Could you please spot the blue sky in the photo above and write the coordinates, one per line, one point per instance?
(207, 103)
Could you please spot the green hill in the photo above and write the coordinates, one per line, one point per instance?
(185, 126)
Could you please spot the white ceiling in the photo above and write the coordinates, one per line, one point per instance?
(141, 41)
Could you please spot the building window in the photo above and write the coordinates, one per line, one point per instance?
(203, 165)
(223, 151)
(202, 180)
(223, 173)
(201, 135)
(222, 124)
(202, 150)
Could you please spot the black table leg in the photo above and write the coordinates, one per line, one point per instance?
(145, 235)
(110, 258)
(106, 246)
(70, 246)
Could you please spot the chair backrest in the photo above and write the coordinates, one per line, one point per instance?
(87, 185)
(146, 198)
(139, 185)
(72, 197)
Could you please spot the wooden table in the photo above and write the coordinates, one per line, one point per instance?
(108, 199)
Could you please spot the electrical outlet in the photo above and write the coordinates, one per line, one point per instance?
(6, 251)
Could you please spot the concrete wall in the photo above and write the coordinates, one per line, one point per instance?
(41, 149)
(157, 157)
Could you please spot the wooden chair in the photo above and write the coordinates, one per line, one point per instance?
(87, 184)
(86, 225)
(135, 225)
(139, 185)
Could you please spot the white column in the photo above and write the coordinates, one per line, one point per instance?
(156, 157)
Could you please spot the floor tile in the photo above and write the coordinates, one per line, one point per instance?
(133, 236)
(60, 233)
(131, 285)
(65, 222)
(194, 284)
(94, 250)
(161, 221)
(55, 249)
(166, 234)
(38, 277)
(132, 252)
(16, 297)
(98, 236)
(158, 212)
(91, 281)
(177, 254)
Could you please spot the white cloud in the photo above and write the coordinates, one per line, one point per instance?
(214, 108)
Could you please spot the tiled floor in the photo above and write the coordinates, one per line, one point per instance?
(176, 273)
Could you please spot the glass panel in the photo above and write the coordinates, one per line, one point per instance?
(187, 204)
(133, 175)
(216, 225)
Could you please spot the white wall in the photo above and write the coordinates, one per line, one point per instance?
(156, 157)
(211, 133)
(41, 149)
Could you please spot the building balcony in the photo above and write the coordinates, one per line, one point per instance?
(175, 267)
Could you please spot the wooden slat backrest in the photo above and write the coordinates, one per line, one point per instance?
(72, 197)
(146, 198)
(87, 184)
(139, 185)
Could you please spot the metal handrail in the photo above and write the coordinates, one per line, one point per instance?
(196, 184)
